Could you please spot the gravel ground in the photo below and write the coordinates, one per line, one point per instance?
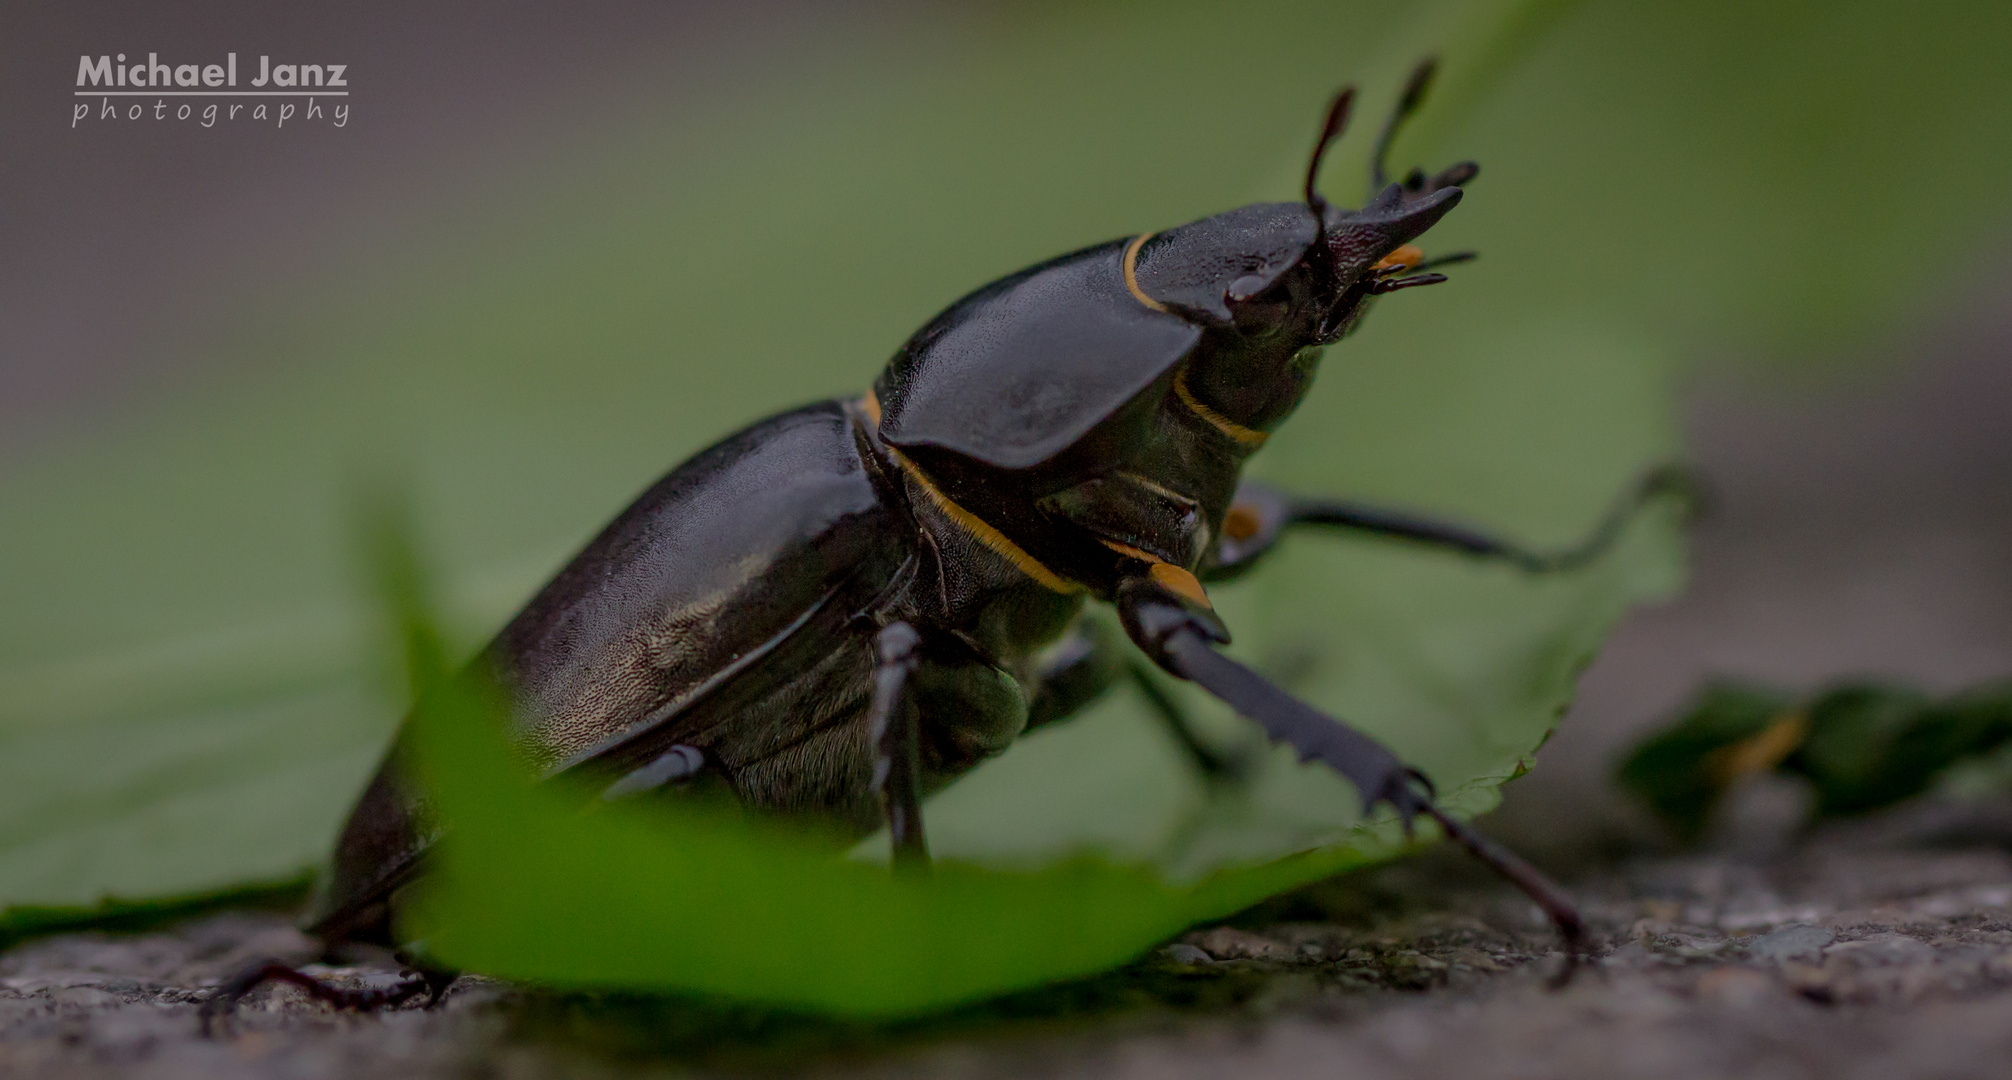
(1881, 949)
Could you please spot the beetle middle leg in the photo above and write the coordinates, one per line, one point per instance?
(1087, 662)
(673, 768)
(891, 724)
(1260, 514)
(1168, 617)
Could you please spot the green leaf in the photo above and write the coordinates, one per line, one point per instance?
(695, 897)
(190, 693)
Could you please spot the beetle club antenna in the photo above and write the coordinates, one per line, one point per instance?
(1337, 119)
(1408, 103)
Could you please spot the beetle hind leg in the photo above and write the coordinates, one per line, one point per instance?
(1260, 514)
(224, 999)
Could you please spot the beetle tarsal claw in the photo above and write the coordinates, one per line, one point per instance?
(1549, 898)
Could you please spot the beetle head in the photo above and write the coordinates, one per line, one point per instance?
(1254, 268)
(1368, 252)
(1272, 283)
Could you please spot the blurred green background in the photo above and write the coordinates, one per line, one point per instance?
(556, 253)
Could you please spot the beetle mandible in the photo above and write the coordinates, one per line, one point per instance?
(843, 607)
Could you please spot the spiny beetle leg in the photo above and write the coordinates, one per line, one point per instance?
(1214, 766)
(1181, 637)
(891, 724)
(1376, 773)
(1078, 669)
(226, 997)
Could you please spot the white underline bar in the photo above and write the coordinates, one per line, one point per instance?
(211, 93)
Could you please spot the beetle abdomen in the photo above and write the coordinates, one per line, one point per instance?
(747, 552)
(708, 568)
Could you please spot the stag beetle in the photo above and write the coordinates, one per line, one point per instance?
(844, 607)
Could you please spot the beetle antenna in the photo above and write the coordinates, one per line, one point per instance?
(1408, 103)
(1337, 119)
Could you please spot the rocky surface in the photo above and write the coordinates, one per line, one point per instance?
(1879, 949)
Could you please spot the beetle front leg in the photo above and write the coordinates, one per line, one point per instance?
(1260, 514)
(891, 724)
(1180, 633)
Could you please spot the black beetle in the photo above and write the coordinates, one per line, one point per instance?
(848, 605)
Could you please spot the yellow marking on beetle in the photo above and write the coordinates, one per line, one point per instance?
(1242, 522)
(1130, 551)
(1181, 583)
(870, 405)
(1407, 256)
(1172, 578)
(1161, 490)
(1250, 437)
(1132, 273)
(1166, 493)
(985, 533)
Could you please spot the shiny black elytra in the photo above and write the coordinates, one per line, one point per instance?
(844, 607)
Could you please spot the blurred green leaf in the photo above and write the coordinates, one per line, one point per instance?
(1871, 746)
(698, 898)
(189, 695)
(1861, 746)
(1681, 770)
